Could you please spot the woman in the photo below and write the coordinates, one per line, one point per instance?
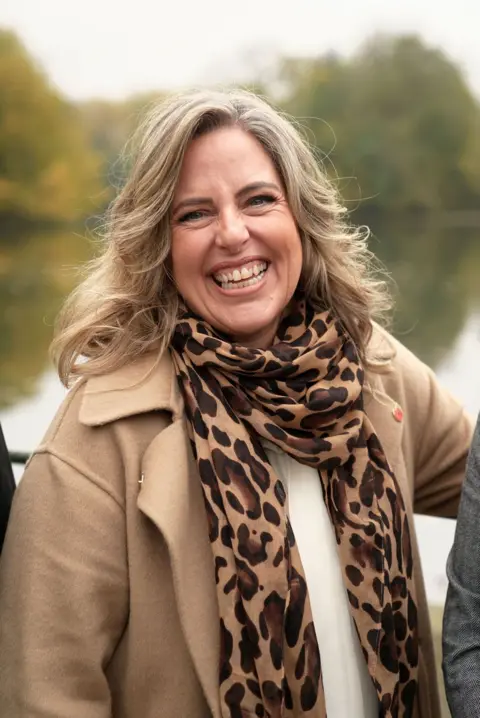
(219, 520)
(461, 625)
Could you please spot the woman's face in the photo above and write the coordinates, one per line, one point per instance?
(236, 251)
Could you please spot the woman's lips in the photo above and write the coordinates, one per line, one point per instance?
(231, 265)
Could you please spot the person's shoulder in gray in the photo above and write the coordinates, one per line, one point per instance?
(461, 625)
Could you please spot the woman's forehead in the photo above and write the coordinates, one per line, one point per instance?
(226, 155)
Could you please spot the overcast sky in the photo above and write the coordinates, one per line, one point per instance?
(112, 48)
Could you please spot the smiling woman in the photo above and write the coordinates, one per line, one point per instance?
(219, 519)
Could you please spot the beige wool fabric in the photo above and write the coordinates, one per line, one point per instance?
(108, 601)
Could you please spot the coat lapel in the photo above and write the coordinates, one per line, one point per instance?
(171, 496)
(387, 419)
(384, 413)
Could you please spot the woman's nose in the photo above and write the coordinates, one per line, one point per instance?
(232, 231)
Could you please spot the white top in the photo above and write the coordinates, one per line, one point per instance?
(349, 690)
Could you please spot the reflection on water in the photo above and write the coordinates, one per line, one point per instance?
(436, 273)
(437, 290)
(36, 271)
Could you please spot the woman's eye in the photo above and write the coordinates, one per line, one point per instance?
(260, 200)
(192, 216)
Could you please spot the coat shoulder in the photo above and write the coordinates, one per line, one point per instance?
(99, 430)
(397, 371)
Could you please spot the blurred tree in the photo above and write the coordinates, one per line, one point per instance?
(47, 169)
(470, 163)
(109, 125)
(435, 270)
(397, 120)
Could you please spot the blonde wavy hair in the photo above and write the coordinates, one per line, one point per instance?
(128, 303)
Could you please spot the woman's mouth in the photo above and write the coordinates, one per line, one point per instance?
(240, 277)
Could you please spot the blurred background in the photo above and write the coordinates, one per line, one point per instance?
(389, 94)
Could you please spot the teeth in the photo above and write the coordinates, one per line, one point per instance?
(241, 275)
(244, 282)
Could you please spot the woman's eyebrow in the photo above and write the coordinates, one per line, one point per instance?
(257, 186)
(192, 201)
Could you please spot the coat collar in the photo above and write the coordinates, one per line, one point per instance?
(149, 384)
(146, 384)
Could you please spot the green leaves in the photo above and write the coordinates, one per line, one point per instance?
(47, 169)
(400, 119)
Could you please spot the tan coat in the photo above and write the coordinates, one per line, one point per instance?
(107, 593)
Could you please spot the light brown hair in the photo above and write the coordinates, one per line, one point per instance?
(128, 303)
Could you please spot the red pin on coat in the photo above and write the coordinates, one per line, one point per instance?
(398, 413)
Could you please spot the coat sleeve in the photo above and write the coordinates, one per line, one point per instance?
(442, 442)
(436, 436)
(461, 630)
(63, 594)
(436, 433)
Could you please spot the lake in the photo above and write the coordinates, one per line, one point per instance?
(436, 271)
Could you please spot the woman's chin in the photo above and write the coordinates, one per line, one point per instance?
(250, 316)
(249, 331)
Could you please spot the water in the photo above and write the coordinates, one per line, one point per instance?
(437, 274)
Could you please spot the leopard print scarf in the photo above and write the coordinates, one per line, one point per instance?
(304, 394)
